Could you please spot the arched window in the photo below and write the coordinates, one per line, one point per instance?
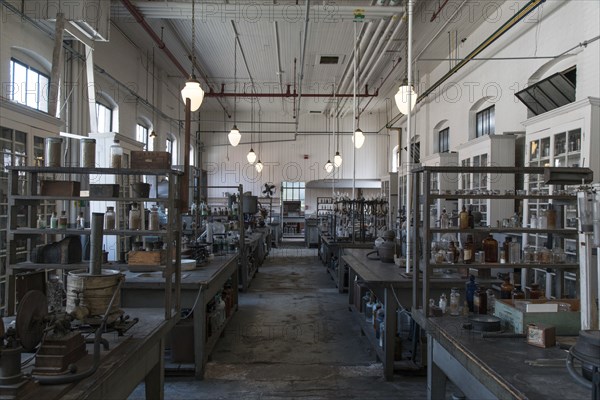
(107, 113)
(441, 137)
(171, 147)
(482, 118)
(142, 132)
(29, 79)
(395, 158)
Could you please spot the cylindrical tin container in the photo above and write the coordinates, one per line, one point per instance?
(95, 290)
(88, 153)
(52, 151)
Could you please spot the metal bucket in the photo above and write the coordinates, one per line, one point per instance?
(140, 190)
(96, 290)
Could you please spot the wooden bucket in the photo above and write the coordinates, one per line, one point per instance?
(96, 290)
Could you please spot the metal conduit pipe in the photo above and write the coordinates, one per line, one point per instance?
(278, 51)
(302, 59)
(97, 229)
(368, 61)
(237, 37)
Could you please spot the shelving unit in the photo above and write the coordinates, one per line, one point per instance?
(24, 198)
(426, 232)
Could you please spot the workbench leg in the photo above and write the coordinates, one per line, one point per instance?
(351, 277)
(436, 378)
(200, 336)
(155, 380)
(389, 339)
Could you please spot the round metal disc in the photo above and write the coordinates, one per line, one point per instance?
(33, 308)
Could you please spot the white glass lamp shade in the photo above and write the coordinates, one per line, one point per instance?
(251, 157)
(259, 166)
(194, 92)
(402, 98)
(328, 166)
(234, 136)
(358, 138)
(337, 159)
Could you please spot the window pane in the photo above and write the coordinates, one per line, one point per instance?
(492, 120)
(44, 93)
(20, 83)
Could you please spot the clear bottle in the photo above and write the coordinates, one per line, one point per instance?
(41, 221)
(444, 220)
(463, 218)
(62, 220)
(490, 249)
(116, 154)
(542, 220)
(109, 218)
(135, 218)
(53, 221)
(443, 303)
(514, 252)
(153, 223)
(515, 221)
(80, 221)
(454, 308)
(469, 250)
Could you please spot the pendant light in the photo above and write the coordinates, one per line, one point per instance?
(337, 159)
(402, 98)
(234, 135)
(192, 89)
(251, 156)
(358, 137)
(259, 165)
(328, 165)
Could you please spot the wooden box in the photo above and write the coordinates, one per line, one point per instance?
(565, 322)
(158, 257)
(59, 188)
(150, 160)
(104, 191)
(541, 335)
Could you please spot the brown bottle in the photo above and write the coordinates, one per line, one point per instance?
(480, 301)
(454, 251)
(535, 292)
(505, 247)
(490, 249)
(551, 217)
(506, 288)
(463, 218)
(471, 218)
(517, 293)
(469, 250)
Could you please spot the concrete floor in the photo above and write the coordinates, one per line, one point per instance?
(293, 337)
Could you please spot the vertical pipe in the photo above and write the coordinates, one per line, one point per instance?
(97, 228)
(185, 179)
(399, 189)
(408, 142)
(354, 127)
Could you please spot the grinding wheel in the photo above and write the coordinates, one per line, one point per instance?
(30, 324)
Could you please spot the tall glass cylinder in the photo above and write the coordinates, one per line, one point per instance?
(88, 153)
(52, 151)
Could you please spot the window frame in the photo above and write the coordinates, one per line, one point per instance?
(444, 140)
(485, 121)
(39, 93)
(142, 134)
(110, 110)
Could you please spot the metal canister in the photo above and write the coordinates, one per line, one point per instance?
(52, 151)
(88, 153)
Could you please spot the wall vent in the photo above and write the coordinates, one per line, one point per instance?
(329, 60)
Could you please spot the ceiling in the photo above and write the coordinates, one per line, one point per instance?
(271, 47)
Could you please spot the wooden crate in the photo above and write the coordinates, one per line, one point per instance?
(147, 257)
(566, 322)
(104, 190)
(150, 160)
(59, 188)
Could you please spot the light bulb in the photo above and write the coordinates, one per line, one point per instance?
(328, 166)
(402, 98)
(234, 136)
(337, 159)
(194, 92)
(251, 157)
(259, 166)
(358, 138)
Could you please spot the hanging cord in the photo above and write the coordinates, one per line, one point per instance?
(193, 35)
(234, 79)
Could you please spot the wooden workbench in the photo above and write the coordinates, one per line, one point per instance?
(490, 368)
(336, 248)
(198, 288)
(132, 358)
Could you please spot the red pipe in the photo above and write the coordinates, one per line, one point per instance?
(435, 14)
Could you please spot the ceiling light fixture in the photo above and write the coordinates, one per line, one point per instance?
(259, 166)
(358, 138)
(328, 165)
(251, 156)
(234, 135)
(192, 89)
(405, 92)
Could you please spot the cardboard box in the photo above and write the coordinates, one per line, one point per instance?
(60, 188)
(150, 160)
(565, 322)
(541, 335)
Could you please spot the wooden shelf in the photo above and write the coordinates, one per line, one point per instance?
(87, 231)
(532, 231)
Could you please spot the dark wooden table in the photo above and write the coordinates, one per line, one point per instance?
(490, 368)
(337, 248)
(198, 288)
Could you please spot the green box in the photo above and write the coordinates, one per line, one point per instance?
(566, 322)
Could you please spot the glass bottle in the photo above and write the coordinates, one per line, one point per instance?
(53, 220)
(545, 256)
(529, 255)
(542, 220)
(469, 250)
(515, 220)
(463, 218)
(491, 301)
(551, 217)
(535, 292)
(471, 218)
(116, 154)
(444, 220)
(41, 221)
(109, 218)
(88, 153)
(454, 301)
(80, 221)
(153, 223)
(443, 303)
(514, 252)
(490, 249)
(62, 220)
(471, 287)
(517, 293)
(480, 301)
(453, 252)
(135, 218)
(506, 288)
(506, 248)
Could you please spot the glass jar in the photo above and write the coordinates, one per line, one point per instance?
(533, 220)
(469, 250)
(52, 151)
(62, 220)
(453, 253)
(535, 292)
(506, 248)
(471, 287)
(506, 288)
(454, 308)
(88, 153)
(529, 255)
(153, 223)
(542, 220)
(559, 256)
(135, 218)
(491, 301)
(444, 220)
(109, 218)
(443, 303)
(515, 221)
(41, 221)
(514, 252)
(463, 218)
(80, 221)
(480, 301)
(551, 217)
(545, 256)
(517, 293)
(490, 249)
(53, 220)
(116, 154)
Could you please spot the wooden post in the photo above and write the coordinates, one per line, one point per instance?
(184, 189)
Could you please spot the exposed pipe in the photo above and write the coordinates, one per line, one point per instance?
(287, 94)
(370, 62)
(97, 229)
(237, 37)
(279, 69)
(439, 10)
(302, 60)
(409, 160)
